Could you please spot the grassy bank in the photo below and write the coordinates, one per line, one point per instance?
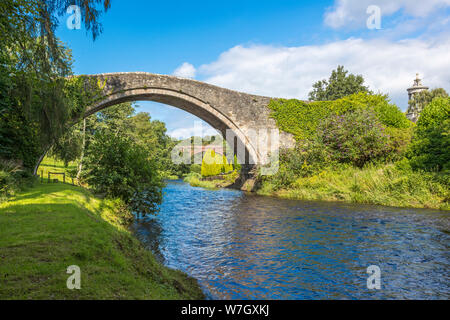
(381, 185)
(52, 226)
(195, 180)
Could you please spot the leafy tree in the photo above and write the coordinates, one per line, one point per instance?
(430, 148)
(421, 99)
(120, 168)
(121, 119)
(35, 94)
(339, 85)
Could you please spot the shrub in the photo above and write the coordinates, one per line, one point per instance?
(430, 148)
(399, 140)
(302, 118)
(7, 184)
(196, 168)
(356, 137)
(214, 164)
(306, 159)
(236, 164)
(10, 177)
(120, 168)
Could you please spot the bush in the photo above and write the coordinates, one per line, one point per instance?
(214, 164)
(430, 148)
(121, 169)
(356, 137)
(10, 177)
(7, 184)
(236, 164)
(399, 140)
(306, 159)
(196, 168)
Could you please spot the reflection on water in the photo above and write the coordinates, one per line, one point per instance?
(242, 246)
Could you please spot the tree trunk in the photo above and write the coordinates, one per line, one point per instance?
(80, 165)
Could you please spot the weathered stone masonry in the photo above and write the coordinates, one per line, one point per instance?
(222, 108)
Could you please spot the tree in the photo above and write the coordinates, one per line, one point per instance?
(34, 65)
(421, 99)
(338, 85)
(72, 145)
(120, 168)
(150, 135)
(430, 148)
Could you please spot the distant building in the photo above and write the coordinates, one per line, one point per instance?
(415, 107)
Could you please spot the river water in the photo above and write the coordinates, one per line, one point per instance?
(243, 246)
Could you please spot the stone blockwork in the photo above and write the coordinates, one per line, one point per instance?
(222, 108)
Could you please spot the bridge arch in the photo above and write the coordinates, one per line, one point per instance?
(181, 100)
(221, 108)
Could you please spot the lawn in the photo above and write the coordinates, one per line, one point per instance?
(52, 165)
(52, 226)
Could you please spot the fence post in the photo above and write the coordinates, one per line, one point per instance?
(64, 177)
(42, 176)
(49, 177)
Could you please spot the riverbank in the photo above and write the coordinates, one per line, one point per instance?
(242, 246)
(385, 185)
(49, 227)
(195, 180)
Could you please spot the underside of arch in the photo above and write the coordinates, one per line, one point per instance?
(193, 105)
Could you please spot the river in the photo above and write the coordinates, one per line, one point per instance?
(243, 246)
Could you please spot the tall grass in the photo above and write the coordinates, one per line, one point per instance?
(374, 184)
(195, 180)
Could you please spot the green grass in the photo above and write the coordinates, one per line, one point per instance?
(381, 185)
(197, 182)
(51, 226)
(52, 165)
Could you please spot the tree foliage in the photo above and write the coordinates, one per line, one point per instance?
(339, 85)
(421, 99)
(302, 118)
(34, 64)
(122, 119)
(430, 149)
(356, 137)
(120, 168)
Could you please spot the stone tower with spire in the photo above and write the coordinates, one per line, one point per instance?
(415, 107)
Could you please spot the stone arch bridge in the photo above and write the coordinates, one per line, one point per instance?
(223, 109)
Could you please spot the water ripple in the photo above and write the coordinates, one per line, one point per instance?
(242, 246)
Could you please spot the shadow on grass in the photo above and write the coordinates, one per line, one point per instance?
(27, 196)
(35, 212)
(45, 189)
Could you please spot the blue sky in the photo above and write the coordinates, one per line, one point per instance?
(274, 48)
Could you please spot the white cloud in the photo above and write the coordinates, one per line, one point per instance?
(353, 12)
(389, 67)
(186, 70)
